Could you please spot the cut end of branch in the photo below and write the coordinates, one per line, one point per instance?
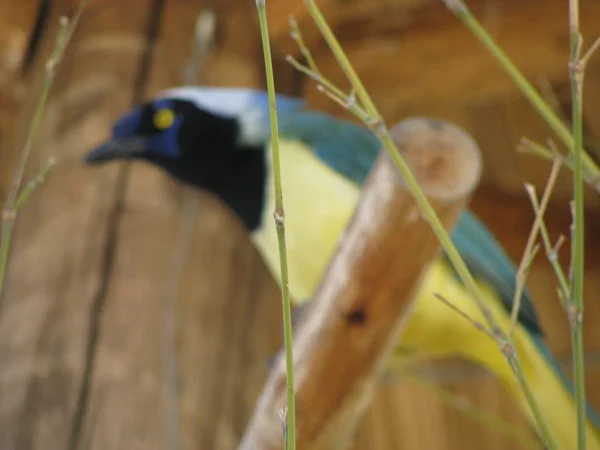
(443, 157)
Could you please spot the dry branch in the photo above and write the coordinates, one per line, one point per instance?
(356, 317)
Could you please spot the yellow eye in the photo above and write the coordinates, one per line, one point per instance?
(163, 118)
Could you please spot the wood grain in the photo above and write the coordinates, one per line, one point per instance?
(226, 321)
(50, 309)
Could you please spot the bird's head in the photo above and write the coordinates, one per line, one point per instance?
(211, 138)
(149, 131)
(175, 134)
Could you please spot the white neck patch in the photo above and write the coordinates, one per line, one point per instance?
(249, 106)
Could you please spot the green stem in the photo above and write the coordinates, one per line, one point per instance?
(279, 215)
(431, 217)
(34, 183)
(528, 146)
(9, 213)
(575, 309)
(579, 374)
(528, 253)
(551, 252)
(543, 109)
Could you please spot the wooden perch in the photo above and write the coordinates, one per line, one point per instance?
(356, 317)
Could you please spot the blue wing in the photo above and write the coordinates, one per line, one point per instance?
(486, 259)
(343, 145)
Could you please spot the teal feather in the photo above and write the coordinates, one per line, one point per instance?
(486, 259)
(349, 149)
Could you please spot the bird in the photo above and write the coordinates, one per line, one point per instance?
(217, 139)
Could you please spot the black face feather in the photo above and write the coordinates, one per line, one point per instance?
(196, 147)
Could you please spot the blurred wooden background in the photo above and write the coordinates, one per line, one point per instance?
(81, 320)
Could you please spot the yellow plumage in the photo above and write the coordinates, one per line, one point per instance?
(318, 204)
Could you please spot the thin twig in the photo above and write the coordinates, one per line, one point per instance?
(551, 251)
(10, 216)
(324, 86)
(323, 83)
(279, 216)
(347, 101)
(74, 21)
(590, 51)
(304, 50)
(526, 145)
(526, 260)
(550, 153)
(377, 124)
(9, 213)
(33, 184)
(465, 316)
(549, 95)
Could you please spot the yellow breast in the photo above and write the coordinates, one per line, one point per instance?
(318, 203)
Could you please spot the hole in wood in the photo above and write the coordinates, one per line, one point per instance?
(357, 317)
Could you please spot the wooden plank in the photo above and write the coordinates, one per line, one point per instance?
(227, 308)
(49, 311)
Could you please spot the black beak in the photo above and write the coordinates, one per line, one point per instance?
(117, 148)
